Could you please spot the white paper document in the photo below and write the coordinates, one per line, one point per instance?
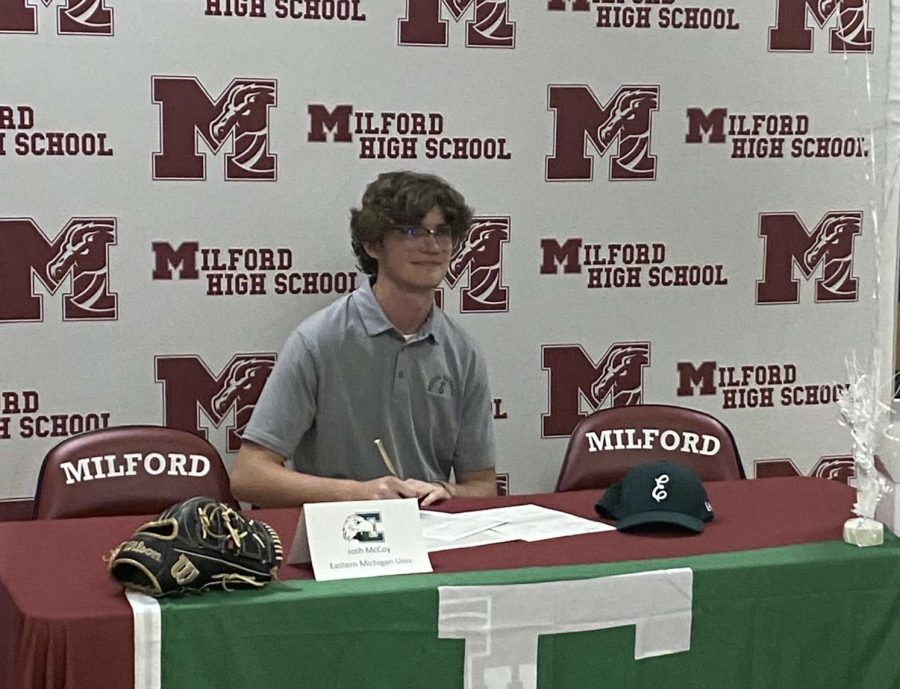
(443, 531)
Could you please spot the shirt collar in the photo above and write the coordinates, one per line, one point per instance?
(375, 322)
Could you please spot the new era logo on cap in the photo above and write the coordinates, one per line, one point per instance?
(658, 493)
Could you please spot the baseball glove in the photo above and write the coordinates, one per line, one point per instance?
(196, 545)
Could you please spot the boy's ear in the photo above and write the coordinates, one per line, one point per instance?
(373, 248)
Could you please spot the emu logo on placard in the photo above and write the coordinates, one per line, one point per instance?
(580, 118)
(489, 28)
(659, 490)
(850, 33)
(835, 467)
(189, 387)
(80, 252)
(75, 17)
(481, 255)
(363, 527)
(789, 245)
(576, 382)
(241, 114)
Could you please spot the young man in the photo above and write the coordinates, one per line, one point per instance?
(380, 363)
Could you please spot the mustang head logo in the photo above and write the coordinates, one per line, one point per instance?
(243, 382)
(833, 245)
(628, 116)
(481, 254)
(82, 250)
(245, 113)
(841, 469)
(622, 375)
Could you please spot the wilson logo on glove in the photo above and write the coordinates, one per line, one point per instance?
(183, 571)
(195, 545)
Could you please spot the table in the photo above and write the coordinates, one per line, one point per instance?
(776, 599)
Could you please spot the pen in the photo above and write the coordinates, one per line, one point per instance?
(385, 457)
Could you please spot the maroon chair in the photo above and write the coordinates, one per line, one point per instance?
(607, 443)
(128, 470)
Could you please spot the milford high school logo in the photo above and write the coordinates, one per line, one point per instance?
(80, 252)
(788, 244)
(90, 17)
(489, 28)
(189, 386)
(850, 33)
(240, 113)
(835, 467)
(580, 118)
(575, 379)
(481, 256)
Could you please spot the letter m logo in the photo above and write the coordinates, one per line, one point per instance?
(788, 245)
(79, 254)
(188, 113)
(579, 387)
(481, 256)
(489, 28)
(579, 119)
(840, 468)
(88, 17)
(850, 33)
(189, 387)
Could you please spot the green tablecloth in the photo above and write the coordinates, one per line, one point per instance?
(819, 615)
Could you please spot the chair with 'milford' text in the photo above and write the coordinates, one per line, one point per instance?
(606, 444)
(128, 470)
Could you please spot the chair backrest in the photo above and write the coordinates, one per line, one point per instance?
(607, 443)
(128, 470)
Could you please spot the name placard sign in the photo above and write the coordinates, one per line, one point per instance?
(363, 538)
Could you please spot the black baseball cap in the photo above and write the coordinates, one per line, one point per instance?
(659, 493)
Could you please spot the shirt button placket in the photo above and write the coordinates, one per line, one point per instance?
(400, 376)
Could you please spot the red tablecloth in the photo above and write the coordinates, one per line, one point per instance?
(65, 623)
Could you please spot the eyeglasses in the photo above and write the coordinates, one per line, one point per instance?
(416, 235)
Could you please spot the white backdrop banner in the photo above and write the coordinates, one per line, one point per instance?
(683, 202)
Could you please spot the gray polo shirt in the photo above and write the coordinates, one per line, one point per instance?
(346, 376)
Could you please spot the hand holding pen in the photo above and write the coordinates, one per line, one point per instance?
(428, 493)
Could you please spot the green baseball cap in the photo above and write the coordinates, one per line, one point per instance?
(658, 493)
